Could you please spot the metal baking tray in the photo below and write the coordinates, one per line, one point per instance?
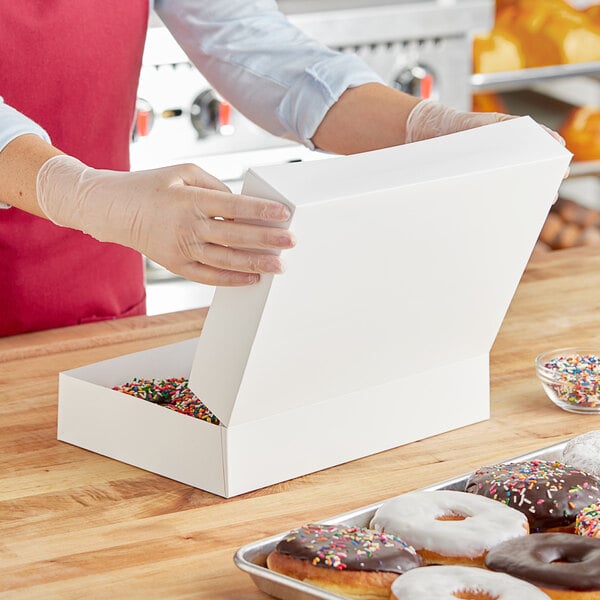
(251, 558)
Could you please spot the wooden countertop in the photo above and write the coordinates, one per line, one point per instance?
(74, 524)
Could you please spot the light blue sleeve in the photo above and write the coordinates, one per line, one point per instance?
(12, 125)
(263, 65)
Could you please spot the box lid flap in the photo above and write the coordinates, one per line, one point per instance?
(406, 258)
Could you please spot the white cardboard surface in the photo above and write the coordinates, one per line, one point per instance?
(377, 335)
(231, 461)
(407, 257)
(93, 416)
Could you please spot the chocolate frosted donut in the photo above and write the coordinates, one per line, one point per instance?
(351, 561)
(550, 494)
(555, 562)
(351, 548)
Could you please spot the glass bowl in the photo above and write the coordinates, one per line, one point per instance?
(571, 378)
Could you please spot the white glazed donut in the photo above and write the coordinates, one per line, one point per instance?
(583, 452)
(450, 527)
(446, 583)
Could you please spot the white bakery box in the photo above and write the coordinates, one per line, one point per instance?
(378, 333)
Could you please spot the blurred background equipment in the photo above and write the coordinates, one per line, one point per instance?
(542, 57)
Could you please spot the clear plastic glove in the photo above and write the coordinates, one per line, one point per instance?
(430, 119)
(180, 217)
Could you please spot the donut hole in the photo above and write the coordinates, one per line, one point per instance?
(561, 556)
(563, 560)
(453, 516)
(474, 595)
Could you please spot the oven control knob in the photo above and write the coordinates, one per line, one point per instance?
(143, 120)
(418, 81)
(210, 114)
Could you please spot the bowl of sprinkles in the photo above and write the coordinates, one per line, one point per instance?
(571, 378)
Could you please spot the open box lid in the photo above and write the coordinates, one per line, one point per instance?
(407, 259)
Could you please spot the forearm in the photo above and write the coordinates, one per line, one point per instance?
(367, 117)
(375, 116)
(20, 161)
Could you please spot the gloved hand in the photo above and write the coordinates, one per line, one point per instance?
(180, 217)
(430, 119)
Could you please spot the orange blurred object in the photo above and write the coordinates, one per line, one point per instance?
(542, 32)
(574, 34)
(581, 131)
(499, 50)
(488, 102)
(593, 12)
(526, 20)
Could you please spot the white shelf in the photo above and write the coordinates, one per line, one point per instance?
(509, 80)
(589, 168)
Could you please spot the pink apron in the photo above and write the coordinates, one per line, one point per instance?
(73, 67)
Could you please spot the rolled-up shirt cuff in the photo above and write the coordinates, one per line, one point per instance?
(14, 124)
(320, 88)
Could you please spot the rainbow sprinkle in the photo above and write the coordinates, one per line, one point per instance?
(588, 521)
(577, 379)
(172, 393)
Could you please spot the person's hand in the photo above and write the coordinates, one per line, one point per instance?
(430, 119)
(180, 217)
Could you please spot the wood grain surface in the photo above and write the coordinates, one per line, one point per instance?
(74, 524)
